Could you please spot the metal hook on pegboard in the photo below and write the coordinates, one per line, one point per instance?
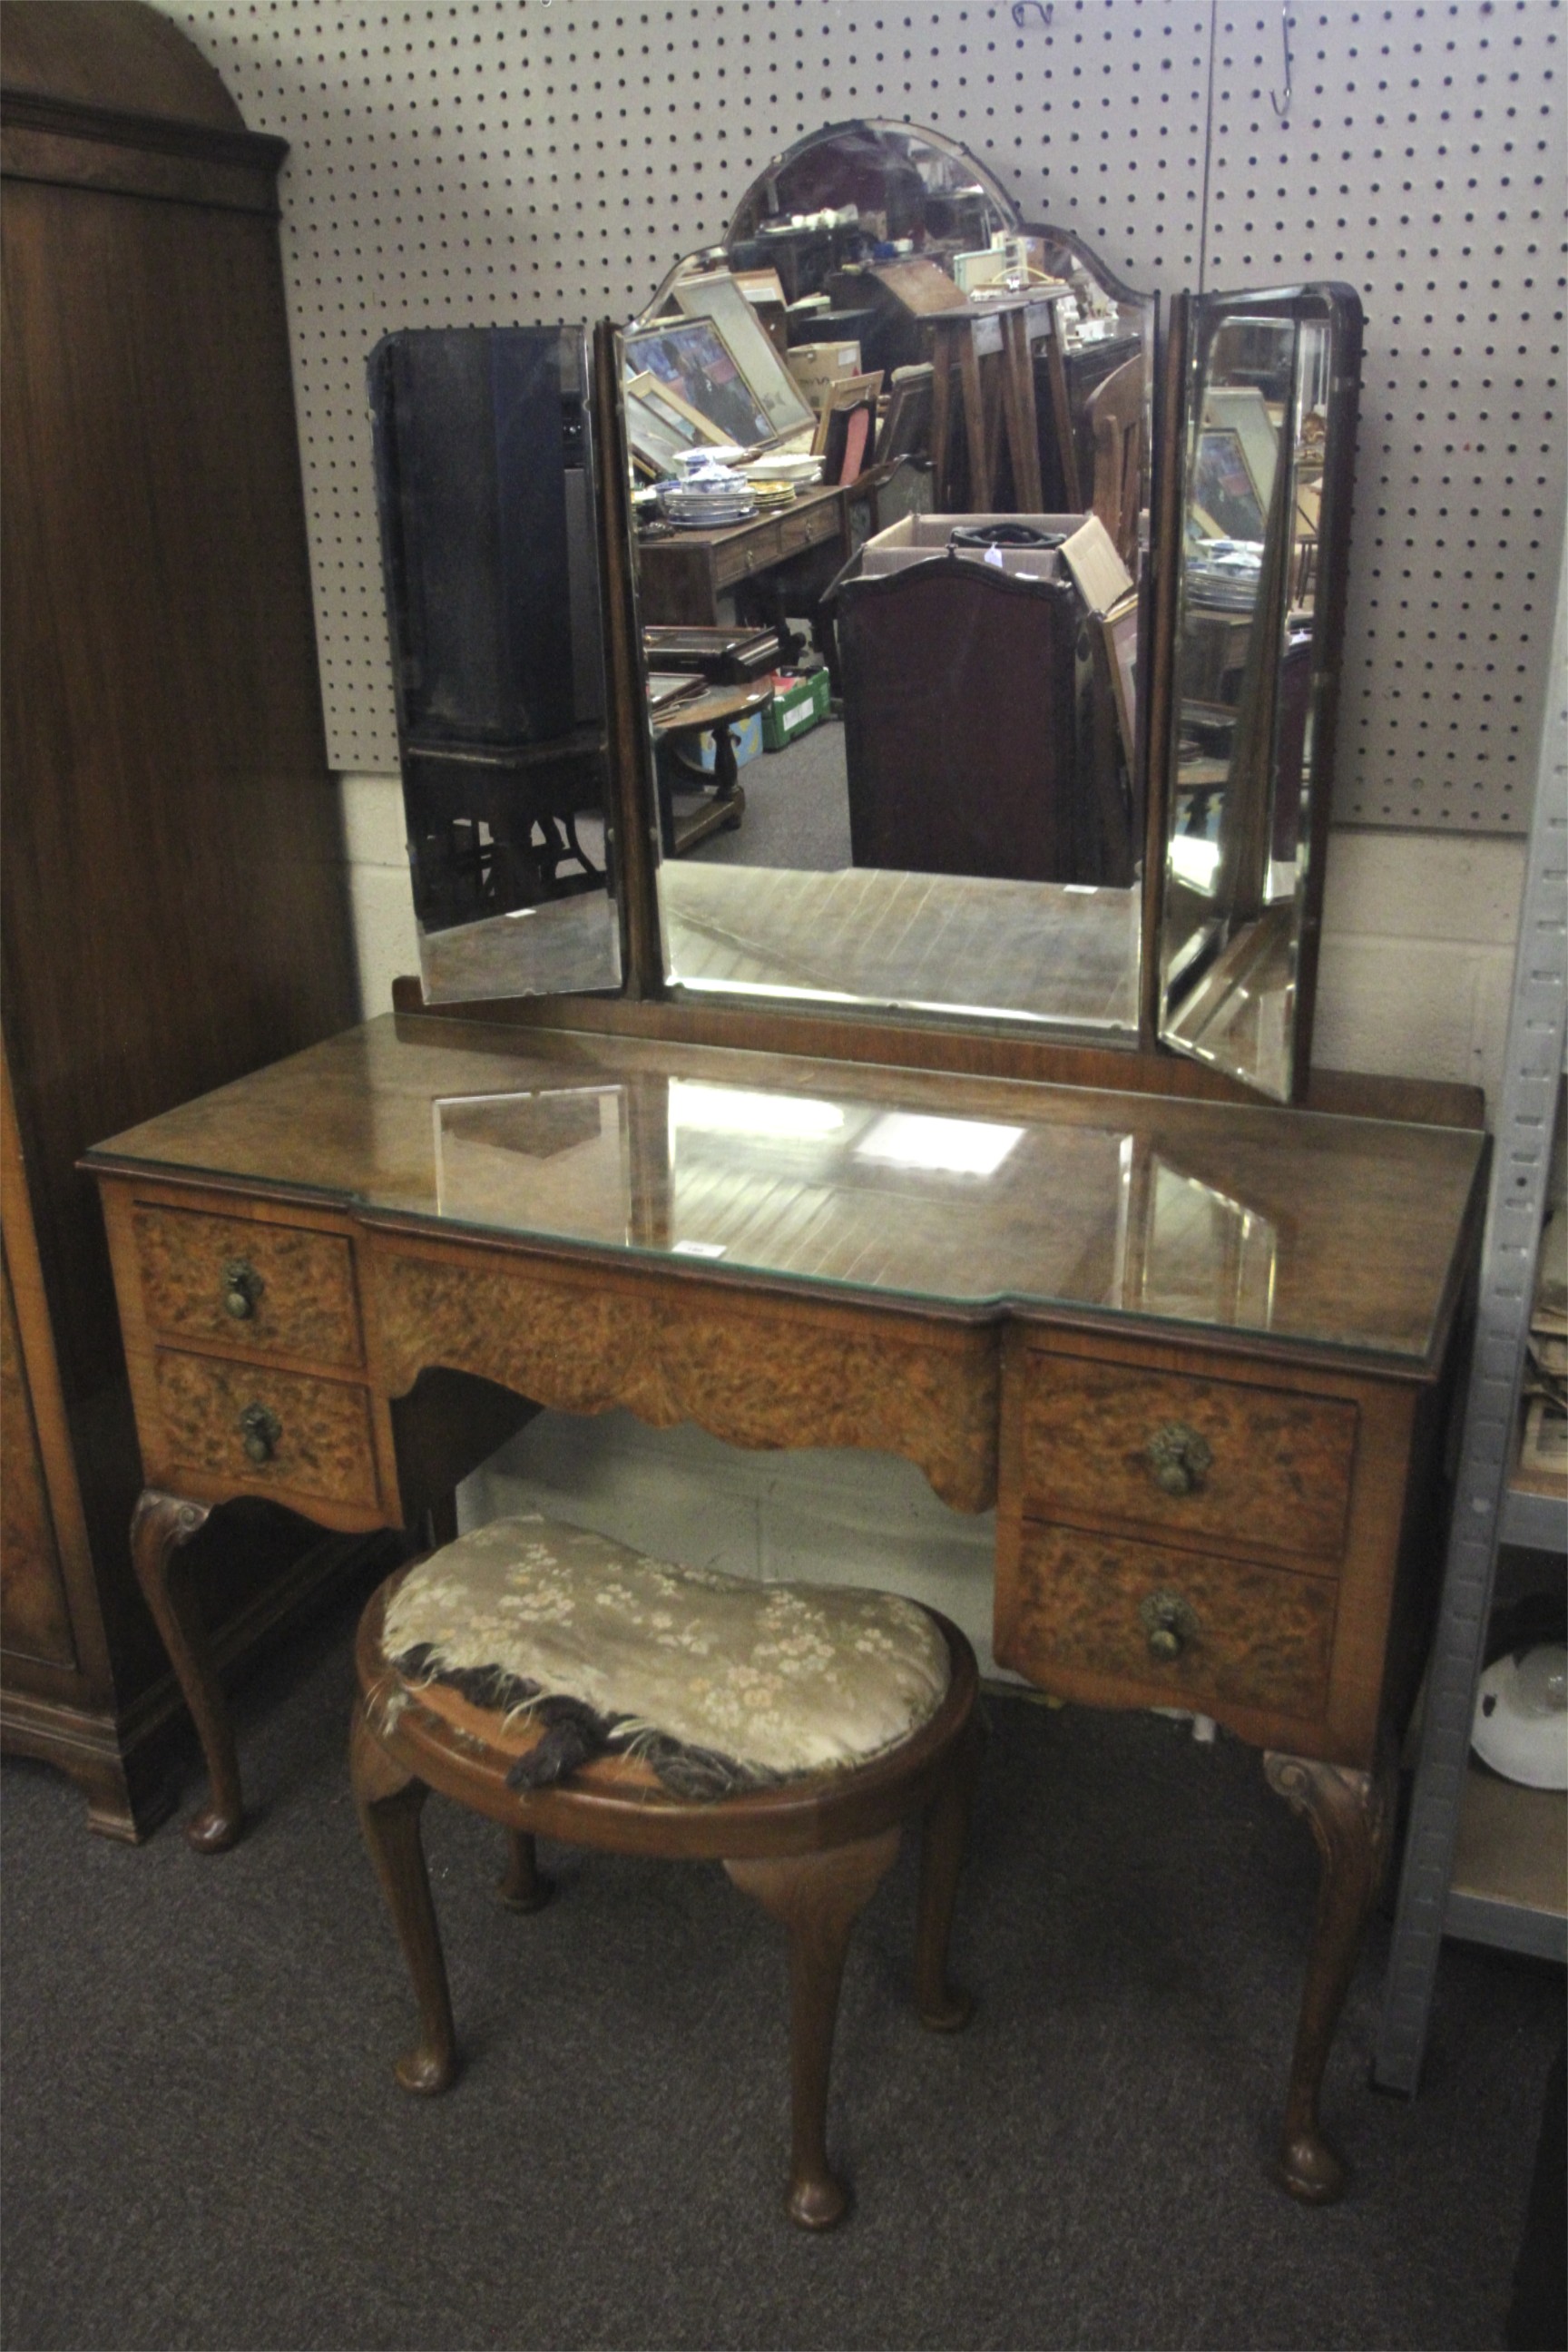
(1282, 105)
(1025, 12)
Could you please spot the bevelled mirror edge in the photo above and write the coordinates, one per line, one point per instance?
(1165, 511)
(1254, 554)
(1346, 321)
(636, 798)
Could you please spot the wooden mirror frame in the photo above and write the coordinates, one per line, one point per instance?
(1197, 319)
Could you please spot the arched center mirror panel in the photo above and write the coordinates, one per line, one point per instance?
(932, 555)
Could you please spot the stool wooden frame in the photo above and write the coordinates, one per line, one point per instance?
(811, 1852)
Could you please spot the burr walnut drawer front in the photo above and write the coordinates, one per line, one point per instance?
(262, 1288)
(264, 1430)
(1200, 1460)
(1166, 1626)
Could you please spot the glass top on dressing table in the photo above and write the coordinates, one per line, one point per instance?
(844, 1178)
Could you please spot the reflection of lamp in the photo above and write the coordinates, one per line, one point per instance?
(732, 1110)
(961, 1146)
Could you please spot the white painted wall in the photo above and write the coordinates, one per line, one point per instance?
(1417, 958)
(813, 1518)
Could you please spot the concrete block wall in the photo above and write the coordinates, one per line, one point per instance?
(1417, 958)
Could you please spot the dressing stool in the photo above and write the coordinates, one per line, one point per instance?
(568, 1687)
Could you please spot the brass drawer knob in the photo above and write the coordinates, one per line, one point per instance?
(1179, 1459)
(242, 1287)
(262, 1432)
(1170, 1624)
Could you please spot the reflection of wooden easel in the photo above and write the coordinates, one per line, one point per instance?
(954, 347)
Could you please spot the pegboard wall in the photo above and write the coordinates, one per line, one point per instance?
(485, 160)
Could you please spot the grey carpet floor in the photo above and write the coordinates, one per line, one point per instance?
(203, 2145)
(797, 808)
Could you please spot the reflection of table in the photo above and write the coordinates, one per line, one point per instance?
(473, 812)
(695, 575)
(719, 710)
(1215, 1481)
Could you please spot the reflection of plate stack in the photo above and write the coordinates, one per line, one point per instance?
(771, 495)
(708, 503)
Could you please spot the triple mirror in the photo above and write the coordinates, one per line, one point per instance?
(922, 502)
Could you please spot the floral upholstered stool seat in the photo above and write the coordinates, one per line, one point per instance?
(567, 1687)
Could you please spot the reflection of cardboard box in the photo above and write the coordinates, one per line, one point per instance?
(817, 366)
(798, 704)
(916, 538)
(1103, 580)
(697, 753)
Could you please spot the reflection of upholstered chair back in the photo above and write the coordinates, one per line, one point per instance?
(1115, 410)
(958, 722)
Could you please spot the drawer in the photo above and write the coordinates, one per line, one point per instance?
(1176, 1628)
(307, 1437)
(272, 1288)
(1206, 1460)
(740, 557)
(809, 529)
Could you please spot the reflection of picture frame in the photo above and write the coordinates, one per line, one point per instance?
(1120, 628)
(848, 393)
(666, 400)
(658, 429)
(1240, 409)
(718, 297)
(1222, 487)
(852, 433)
(693, 364)
(906, 429)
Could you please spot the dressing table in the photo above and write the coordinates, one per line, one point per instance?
(1196, 1354)
(1197, 1346)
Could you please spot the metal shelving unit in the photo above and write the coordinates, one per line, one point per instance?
(1481, 1857)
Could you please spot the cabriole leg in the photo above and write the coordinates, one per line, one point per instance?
(818, 1897)
(390, 1800)
(160, 1527)
(939, 2005)
(1352, 1818)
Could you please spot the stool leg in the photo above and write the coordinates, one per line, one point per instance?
(523, 1888)
(818, 1897)
(390, 1800)
(939, 2005)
